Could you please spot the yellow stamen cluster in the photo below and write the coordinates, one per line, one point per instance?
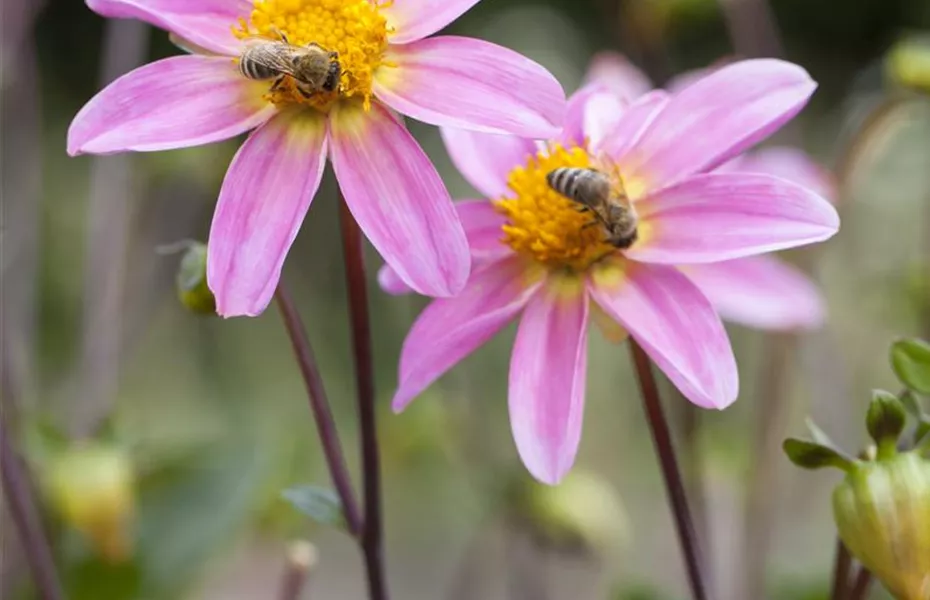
(355, 29)
(543, 224)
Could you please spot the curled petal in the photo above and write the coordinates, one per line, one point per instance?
(719, 216)
(390, 282)
(398, 199)
(622, 77)
(265, 196)
(172, 103)
(486, 159)
(413, 20)
(449, 329)
(675, 325)
(206, 23)
(630, 126)
(716, 118)
(471, 84)
(788, 163)
(761, 292)
(547, 382)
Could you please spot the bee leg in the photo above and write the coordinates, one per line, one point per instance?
(591, 223)
(280, 34)
(277, 83)
(303, 92)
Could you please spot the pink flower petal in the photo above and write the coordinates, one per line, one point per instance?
(761, 292)
(391, 283)
(398, 199)
(788, 163)
(207, 23)
(716, 118)
(265, 196)
(577, 110)
(621, 76)
(630, 126)
(482, 226)
(471, 84)
(172, 103)
(719, 216)
(486, 159)
(413, 20)
(547, 382)
(675, 325)
(449, 329)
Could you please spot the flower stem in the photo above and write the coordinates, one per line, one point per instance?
(841, 566)
(319, 405)
(674, 485)
(22, 506)
(365, 382)
(861, 586)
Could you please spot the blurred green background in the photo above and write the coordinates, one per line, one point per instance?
(212, 413)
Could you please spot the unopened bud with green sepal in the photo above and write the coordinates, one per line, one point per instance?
(882, 513)
(92, 489)
(192, 281)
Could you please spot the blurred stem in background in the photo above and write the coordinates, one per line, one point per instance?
(372, 530)
(109, 213)
(842, 563)
(24, 509)
(661, 437)
(301, 559)
(754, 33)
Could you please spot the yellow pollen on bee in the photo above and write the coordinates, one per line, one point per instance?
(356, 29)
(543, 224)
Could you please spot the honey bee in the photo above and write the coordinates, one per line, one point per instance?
(313, 68)
(593, 191)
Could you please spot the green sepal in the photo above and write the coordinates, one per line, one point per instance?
(885, 422)
(811, 455)
(910, 359)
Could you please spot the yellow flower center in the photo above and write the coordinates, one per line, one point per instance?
(355, 29)
(547, 226)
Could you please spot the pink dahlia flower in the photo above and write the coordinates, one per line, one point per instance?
(759, 291)
(389, 184)
(536, 256)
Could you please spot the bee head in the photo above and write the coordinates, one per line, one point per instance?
(332, 76)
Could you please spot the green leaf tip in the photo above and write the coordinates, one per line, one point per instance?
(319, 503)
(910, 359)
(811, 455)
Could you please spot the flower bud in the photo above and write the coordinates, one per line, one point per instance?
(92, 489)
(882, 512)
(192, 281)
(909, 63)
(583, 512)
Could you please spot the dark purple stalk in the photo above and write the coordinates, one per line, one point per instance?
(372, 543)
(862, 584)
(319, 405)
(662, 439)
(841, 567)
(21, 503)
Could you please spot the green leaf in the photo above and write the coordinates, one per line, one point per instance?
(319, 503)
(811, 455)
(910, 359)
(912, 403)
(818, 434)
(885, 421)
